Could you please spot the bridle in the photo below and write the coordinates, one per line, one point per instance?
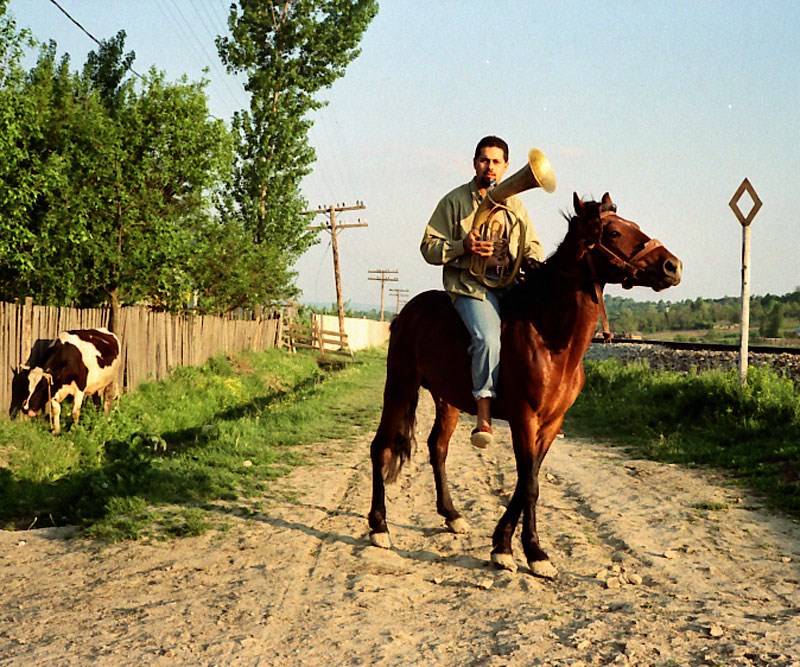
(625, 264)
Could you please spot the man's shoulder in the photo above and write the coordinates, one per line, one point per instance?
(515, 203)
(463, 191)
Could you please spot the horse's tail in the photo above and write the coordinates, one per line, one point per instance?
(402, 441)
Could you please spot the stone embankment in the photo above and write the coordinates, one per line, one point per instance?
(660, 358)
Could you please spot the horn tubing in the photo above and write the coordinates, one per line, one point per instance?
(537, 173)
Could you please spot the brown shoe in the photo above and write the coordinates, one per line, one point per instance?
(482, 436)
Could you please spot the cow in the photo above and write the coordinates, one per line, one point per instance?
(79, 363)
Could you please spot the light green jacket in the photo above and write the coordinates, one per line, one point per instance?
(443, 241)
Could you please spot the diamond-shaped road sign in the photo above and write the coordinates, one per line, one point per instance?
(734, 203)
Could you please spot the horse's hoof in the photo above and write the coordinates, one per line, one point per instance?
(458, 525)
(504, 562)
(381, 540)
(543, 568)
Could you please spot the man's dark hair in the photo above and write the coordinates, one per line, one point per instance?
(492, 142)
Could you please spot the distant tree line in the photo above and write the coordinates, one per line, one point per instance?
(773, 316)
(118, 187)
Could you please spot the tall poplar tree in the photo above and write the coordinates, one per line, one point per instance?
(289, 51)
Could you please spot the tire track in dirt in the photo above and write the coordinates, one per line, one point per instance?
(659, 566)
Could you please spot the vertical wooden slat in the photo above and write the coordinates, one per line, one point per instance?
(153, 344)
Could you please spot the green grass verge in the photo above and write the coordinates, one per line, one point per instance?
(175, 456)
(179, 456)
(701, 418)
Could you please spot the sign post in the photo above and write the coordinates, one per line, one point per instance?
(745, 221)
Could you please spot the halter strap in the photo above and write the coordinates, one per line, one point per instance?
(598, 290)
(626, 265)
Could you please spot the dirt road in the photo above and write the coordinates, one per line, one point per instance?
(658, 566)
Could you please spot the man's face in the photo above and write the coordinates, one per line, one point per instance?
(490, 165)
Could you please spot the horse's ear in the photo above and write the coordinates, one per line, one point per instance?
(577, 204)
(606, 204)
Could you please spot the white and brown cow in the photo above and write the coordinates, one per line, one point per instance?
(80, 363)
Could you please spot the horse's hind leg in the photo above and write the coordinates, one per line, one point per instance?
(380, 453)
(438, 443)
(390, 447)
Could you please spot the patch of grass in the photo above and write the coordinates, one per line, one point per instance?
(699, 419)
(174, 453)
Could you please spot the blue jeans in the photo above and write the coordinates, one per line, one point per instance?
(482, 319)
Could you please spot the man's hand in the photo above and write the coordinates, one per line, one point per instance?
(474, 245)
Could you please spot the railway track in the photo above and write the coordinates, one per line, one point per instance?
(700, 347)
(680, 356)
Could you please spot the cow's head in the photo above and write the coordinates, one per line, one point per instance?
(39, 390)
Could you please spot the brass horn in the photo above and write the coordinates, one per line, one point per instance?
(495, 221)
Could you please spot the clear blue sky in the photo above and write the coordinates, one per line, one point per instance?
(666, 105)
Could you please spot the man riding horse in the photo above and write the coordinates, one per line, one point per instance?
(549, 320)
(452, 240)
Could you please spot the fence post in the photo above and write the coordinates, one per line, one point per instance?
(27, 325)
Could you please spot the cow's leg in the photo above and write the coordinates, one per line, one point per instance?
(55, 415)
(109, 394)
(77, 403)
(438, 444)
(390, 447)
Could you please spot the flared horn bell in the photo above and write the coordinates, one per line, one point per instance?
(538, 173)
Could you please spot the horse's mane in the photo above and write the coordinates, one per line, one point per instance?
(541, 278)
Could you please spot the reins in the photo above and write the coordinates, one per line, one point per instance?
(625, 264)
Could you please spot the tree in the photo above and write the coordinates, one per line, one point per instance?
(772, 322)
(125, 173)
(288, 53)
(21, 174)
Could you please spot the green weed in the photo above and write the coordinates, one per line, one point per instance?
(699, 418)
(173, 453)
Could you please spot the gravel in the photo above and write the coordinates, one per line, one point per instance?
(660, 358)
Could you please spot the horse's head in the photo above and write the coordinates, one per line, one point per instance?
(618, 251)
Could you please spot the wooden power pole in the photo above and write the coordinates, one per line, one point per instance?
(333, 228)
(399, 293)
(384, 275)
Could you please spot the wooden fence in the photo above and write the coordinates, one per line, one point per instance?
(152, 343)
(314, 337)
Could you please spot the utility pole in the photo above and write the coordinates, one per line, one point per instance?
(384, 275)
(399, 293)
(333, 228)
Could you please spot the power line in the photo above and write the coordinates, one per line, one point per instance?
(88, 34)
(199, 47)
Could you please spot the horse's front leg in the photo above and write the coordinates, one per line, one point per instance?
(534, 445)
(538, 560)
(529, 452)
(438, 444)
(502, 554)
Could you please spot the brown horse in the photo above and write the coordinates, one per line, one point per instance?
(549, 319)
